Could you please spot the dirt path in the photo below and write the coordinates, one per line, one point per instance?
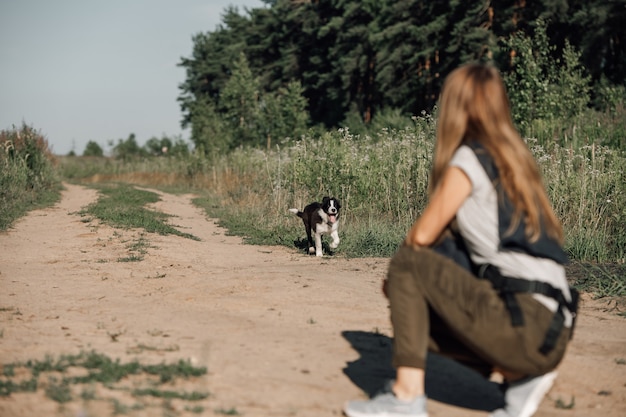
(281, 333)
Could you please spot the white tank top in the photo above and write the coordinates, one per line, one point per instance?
(477, 220)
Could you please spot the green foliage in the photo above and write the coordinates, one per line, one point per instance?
(245, 116)
(240, 101)
(573, 85)
(128, 149)
(389, 119)
(166, 147)
(283, 114)
(355, 59)
(210, 133)
(179, 148)
(597, 29)
(93, 149)
(27, 176)
(541, 86)
(609, 97)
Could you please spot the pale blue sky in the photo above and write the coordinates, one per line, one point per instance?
(80, 70)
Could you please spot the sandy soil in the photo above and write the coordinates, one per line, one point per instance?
(280, 332)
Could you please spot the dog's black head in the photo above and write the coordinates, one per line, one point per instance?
(331, 207)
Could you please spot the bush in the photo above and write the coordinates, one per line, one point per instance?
(543, 84)
(27, 176)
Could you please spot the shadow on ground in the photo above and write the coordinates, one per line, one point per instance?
(447, 381)
(303, 245)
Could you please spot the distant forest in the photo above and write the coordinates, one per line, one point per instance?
(335, 60)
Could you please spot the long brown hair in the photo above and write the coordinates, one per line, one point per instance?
(474, 105)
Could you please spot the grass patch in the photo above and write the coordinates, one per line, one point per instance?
(605, 280)
(123, 206)
(96, 369)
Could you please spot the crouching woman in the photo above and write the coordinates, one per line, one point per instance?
(502, 303)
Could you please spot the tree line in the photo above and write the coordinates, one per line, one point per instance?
(129, 148)
(277, 70)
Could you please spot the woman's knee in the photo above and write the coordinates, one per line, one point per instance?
(412, 270)
(408, 258)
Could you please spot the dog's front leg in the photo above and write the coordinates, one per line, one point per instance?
(335, 235)
(318, 244)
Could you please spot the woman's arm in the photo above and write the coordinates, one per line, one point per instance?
(454, 188)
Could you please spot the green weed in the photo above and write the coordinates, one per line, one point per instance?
(131, 258)
(560, 404)
(227, 412)
(188, 396)
(88, 393)
(119, 407)
(196, 409)
(58, 391)
(141, 348)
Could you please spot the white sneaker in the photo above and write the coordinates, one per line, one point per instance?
(523, 397)
(387, 405)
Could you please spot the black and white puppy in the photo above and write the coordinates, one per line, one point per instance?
(320, 219)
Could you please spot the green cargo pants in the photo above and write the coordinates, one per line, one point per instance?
(438, 306)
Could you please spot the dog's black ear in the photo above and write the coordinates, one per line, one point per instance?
(338, 204)
(325, 200)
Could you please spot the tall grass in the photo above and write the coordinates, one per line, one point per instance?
(587, 187)
(381, 181)
(27, 175)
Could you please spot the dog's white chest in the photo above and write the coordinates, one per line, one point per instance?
(326, 226)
